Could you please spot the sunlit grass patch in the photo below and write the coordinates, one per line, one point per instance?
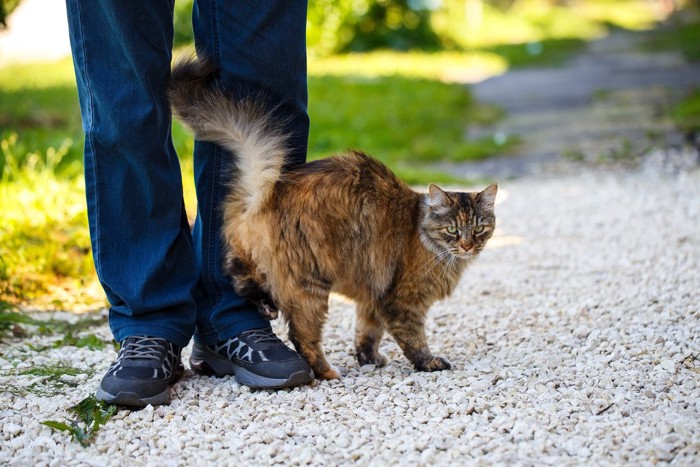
(43, 235)
(40, 102)
(525, 21)
(447, 66)
(627, 14)
(486, 25)
(537, 32)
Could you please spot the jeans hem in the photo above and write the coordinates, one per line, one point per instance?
(232, 331)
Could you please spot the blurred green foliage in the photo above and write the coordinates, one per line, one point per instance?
(686, 114)
(516, 29)
(393, 24)
(6, 7)
(182, 21)
(679, 35)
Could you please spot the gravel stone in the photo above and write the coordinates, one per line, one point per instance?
(575, 340)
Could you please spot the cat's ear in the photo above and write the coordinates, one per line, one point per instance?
(438, 199)
(487, 198)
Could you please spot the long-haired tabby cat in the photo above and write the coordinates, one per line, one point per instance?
(343, 224)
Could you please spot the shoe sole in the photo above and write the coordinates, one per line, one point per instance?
(206, 362)
(132, 399)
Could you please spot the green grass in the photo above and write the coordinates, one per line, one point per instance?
(532, 33)
(528, 21)
(89, 415)
(40, 103)
(47, 380)
(397, 120)
(43, 236)
(445, 66)
(13, 322)
(683, 36)
(627, 14)
(89, 341)
(50, 371)
(548, 52)
(686, 114)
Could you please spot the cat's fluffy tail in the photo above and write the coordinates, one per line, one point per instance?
(242, 127)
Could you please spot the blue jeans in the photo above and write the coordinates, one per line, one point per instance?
(160, 278)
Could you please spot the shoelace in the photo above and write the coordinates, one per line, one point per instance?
(262, 335)
(144, 347)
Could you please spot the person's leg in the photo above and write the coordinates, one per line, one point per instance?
(142, 246)
(260, 49)
(141, 241)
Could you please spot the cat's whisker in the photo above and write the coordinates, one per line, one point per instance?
(437, 259)
(447, 266)
(434, 261)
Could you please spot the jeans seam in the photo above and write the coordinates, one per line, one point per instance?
(213, 232)
(215, 33)
(211, 250)
(91, 143)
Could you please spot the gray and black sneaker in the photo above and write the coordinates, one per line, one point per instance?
(258, 359)
(145, 369)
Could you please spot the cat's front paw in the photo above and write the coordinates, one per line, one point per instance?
(434, 364)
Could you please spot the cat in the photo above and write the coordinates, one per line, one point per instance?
(343, 224)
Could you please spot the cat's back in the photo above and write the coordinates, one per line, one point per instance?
(355, 175)
(351, 195)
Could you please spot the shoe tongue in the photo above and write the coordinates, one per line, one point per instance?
(138, 341)
(144, 352)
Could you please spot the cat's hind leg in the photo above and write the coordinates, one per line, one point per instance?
(305, 316)
(369, 330)
(250, 286)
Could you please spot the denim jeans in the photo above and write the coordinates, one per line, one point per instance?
(161, 278)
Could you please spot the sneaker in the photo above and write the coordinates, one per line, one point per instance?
(258, 359)
(145, 369)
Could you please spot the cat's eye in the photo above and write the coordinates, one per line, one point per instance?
(478, 229)
(452, 229)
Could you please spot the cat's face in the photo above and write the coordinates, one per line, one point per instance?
(458, 224)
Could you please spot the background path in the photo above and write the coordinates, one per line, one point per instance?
(607, 103)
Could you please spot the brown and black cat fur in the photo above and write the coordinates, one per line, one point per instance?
(344, 224)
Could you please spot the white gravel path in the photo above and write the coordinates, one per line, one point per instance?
(575, 340)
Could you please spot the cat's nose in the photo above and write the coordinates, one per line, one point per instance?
(467, 247)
